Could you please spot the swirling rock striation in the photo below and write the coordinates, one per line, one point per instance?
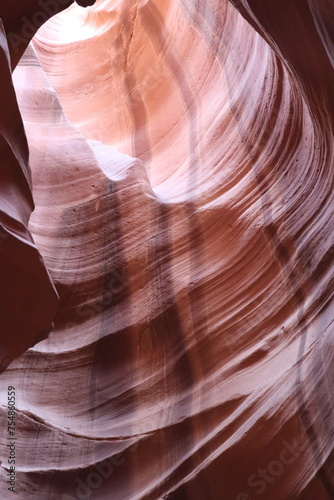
(182, 172)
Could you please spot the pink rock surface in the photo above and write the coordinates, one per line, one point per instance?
(182, 171)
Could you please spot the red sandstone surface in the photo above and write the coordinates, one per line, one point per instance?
(166, 249)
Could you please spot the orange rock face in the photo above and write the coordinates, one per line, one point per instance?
(181, 246)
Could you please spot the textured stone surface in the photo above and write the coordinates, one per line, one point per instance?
(182, 171)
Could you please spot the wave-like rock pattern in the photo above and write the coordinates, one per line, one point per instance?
(182, 172)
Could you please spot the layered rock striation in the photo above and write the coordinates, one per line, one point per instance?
(181, 161)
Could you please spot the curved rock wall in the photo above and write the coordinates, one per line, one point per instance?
(182, 172)
(28, 299)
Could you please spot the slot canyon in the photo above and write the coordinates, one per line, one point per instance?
(167, 249)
